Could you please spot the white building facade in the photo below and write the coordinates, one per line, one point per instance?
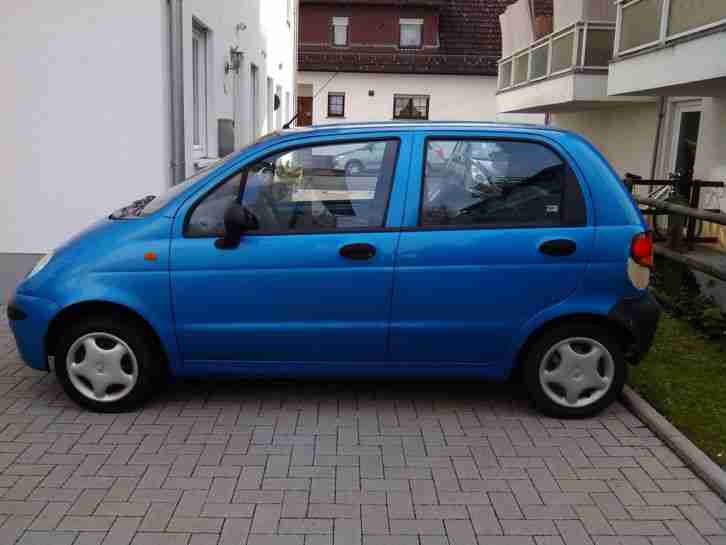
(105, 102)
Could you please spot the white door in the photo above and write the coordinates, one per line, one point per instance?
(681, 139)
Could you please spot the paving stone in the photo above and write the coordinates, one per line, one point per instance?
(529, 527)
(47, 538)
(80, 523)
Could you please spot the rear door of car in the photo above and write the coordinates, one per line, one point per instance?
(490, 238)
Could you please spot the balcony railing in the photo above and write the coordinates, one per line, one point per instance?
(642, 24)
(585, 45)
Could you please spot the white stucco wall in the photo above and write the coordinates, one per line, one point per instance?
(83, 103)
(625, 135)
(85, 108)
(470, 98)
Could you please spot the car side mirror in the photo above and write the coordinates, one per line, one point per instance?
(237, 220)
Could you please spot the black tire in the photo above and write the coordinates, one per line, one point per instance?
(540, 348)
(149, 361)
(354, 167)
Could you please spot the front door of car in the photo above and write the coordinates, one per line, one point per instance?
(492, 236)
(311, 283)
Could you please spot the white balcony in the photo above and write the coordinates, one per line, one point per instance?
(566, 70)
(669, 47)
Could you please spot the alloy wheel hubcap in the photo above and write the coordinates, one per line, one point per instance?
(102, 367)
(576, 372)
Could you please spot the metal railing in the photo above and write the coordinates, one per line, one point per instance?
(584, 45)
(642, 24)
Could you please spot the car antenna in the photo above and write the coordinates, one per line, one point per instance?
(297, 114)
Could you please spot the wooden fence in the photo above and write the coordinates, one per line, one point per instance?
(677, 244)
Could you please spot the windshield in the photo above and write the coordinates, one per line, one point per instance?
(162, 200)
(152, 205)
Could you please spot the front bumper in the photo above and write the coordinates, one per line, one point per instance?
(640, 317)
(29, 319)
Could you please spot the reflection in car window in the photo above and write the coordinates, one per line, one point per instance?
(471, 182)
(309, 189)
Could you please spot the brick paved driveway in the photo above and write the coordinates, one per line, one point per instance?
(245, 463)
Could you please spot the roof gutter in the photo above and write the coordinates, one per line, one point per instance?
(176, 42)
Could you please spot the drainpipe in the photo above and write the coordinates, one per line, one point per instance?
(176, 37)
(658, 129)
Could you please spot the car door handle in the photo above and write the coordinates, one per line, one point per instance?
(558, 247)
(358, 251)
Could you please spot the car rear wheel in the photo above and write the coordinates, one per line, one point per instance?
(575, 370)
(107, 364)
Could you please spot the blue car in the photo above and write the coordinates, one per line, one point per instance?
(463, 250)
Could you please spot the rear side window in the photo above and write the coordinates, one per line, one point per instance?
(498, 183)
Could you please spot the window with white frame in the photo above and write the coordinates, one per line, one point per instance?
(254, 101)
(411, 33)
(278, 106)
(270, 105)
(200, 37)
(340, 31)
(336, 104)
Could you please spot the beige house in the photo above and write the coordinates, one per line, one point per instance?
(644, 80)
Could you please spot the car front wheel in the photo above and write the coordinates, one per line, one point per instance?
(575, 370)
(107, 364)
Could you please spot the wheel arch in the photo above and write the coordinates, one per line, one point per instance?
(624, 335)
(99, 307)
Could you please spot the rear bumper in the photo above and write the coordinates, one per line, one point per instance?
(29, 318)
(640, 317)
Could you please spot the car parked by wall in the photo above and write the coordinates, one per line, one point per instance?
(516, 249)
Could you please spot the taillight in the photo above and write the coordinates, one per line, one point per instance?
(641, 249)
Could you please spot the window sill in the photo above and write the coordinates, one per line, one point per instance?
(335, 117)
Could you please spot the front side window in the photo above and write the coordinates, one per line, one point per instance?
(336, 104)
(306, 190)
(410, 107)
(498, 183)
(411, 33)
(340, 31)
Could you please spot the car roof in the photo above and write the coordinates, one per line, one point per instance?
(412, 126)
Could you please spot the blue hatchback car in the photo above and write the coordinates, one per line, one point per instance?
(460, 250)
